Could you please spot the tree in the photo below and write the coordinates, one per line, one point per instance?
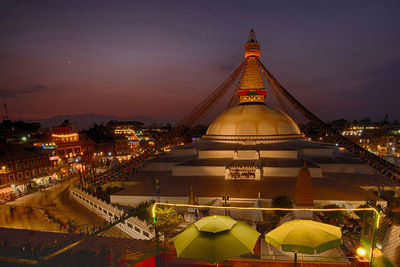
(143, 210)
(167, 221)
(282, 202)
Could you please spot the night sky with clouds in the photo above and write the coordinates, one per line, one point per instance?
(340, 59)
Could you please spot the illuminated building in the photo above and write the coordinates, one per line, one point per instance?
(72, 148)
(375, 139)
(126, 140)
(253, 152)
(19, 164)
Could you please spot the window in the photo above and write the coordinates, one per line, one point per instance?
(20, 176)
(18, 165)
(11, 176)
(137, 229)
(9, 167)
(129, 225)
(39, 162)
(27, 175)
(33, 163)
(25, 163)
(146, 234)
(33, 173)
(94, 205)
(105, 211)
(109, 213)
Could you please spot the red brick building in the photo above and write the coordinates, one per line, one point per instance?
(19, 165)
(23, 162)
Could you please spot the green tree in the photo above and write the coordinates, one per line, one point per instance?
(282, 202)
(166, 222)
(144, 210)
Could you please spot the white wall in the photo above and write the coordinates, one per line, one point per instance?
(278, 154)
(289, 172)
(132, 226)
(247, 154)
(206, 154)
(198, 171)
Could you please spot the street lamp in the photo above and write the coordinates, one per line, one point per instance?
(361, 252)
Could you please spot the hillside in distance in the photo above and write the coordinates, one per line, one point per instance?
(85, 121)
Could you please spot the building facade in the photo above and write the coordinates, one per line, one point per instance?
(22, 166)
(72, 148)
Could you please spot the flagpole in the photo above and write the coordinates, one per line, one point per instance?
(158, 262)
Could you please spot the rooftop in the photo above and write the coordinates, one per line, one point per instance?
(9, 152)
(280, 145)
(332, 186)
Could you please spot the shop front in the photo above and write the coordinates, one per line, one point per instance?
(6, 193)
(46, 180)
(20, 189)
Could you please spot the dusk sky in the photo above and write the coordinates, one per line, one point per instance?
(341, 59)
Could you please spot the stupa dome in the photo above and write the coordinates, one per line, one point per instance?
(253, 123)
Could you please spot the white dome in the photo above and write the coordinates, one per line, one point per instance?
(253, 122)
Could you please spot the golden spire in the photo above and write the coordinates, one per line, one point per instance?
(252, 47)
(252, 88)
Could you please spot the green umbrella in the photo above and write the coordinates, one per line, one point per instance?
(304, 236)
(215, 224)
(215, 238)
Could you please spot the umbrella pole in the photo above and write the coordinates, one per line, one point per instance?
(295, 259)
(302, 256)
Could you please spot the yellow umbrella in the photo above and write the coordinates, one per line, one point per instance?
(304, 236)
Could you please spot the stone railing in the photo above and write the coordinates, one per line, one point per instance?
(132, 226)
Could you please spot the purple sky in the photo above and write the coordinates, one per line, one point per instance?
(160, 58)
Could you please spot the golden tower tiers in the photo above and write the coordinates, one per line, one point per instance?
(252, 121)
(252, 88)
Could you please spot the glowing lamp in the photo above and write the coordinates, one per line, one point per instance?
(361, 252)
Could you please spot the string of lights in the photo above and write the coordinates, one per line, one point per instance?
(154, 213)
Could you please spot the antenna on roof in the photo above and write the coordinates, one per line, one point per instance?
(5, 115)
